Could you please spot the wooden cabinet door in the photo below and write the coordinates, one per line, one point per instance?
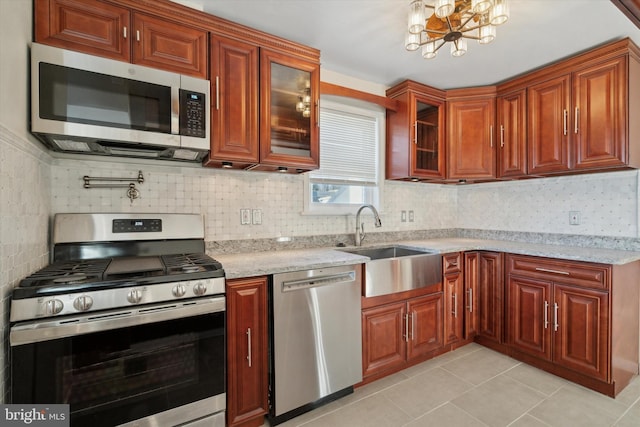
(425, 325)
(383, 334)
(470, 139)
(247, 375)
(87, 26)
(453, 308)
(491, 295)
(471, 277)
(234, 98)
(599, 115)
(512, 134)
(427, 136)
(529, 327)
(169, 46)
(289, 137)
(548, 125)
(581, 337)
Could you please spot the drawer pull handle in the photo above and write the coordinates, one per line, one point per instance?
(546, 270)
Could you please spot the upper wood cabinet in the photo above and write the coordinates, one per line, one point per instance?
(471, 148)
(289, 97)
(116, 32)
(579, 112)
(264, 111)
(416, 133)
(512, 134)
(235, 109)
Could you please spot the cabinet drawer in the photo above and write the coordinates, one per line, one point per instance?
(452, 263)
(578, 273)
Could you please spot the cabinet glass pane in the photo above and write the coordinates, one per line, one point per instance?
(426, 136)
(291, 110)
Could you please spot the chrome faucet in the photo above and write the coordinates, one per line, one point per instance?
(360, 226)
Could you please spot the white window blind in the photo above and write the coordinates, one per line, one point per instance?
(349, 148)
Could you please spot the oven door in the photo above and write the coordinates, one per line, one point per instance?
(160, 365)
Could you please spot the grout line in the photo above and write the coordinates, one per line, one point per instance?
(627, 411)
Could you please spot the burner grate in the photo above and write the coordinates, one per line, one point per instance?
(69, 272)
(190, 263)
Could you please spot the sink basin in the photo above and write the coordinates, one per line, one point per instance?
(387, 252)
(393, 269)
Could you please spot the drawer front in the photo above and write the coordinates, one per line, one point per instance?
(452, 263)
(590, 275)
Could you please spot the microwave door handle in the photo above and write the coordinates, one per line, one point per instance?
(175, 110)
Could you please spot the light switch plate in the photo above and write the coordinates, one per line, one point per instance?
(257, 216)
(410, 216)
(245, 216)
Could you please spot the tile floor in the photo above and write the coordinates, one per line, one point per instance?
(476, 387)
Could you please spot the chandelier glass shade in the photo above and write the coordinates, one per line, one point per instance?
(431, 26)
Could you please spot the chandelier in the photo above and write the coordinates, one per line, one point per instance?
(453, 21)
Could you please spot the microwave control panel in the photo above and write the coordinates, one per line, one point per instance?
(192, 114)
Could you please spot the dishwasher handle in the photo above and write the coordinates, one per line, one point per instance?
(311, 282)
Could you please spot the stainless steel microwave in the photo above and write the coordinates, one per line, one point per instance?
(91, 105)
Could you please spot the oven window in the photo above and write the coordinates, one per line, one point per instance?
(78, 96)
(117, 376)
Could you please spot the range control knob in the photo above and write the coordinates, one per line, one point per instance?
(83, 303)
(53, 306)
(134, 296)
(200, 288)
(179, 291)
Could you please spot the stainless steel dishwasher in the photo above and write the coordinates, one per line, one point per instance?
(316, 353)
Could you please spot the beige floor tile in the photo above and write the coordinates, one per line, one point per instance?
(499, 401)
(631, 393)
(376, 386)
(442, 359)
(372, 411)
(424, 392)
(447, 415)
(528, 421)
(537, 379)
(573, 405)
(480, 365)
(628, 420)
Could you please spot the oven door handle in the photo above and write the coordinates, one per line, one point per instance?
(45, 330)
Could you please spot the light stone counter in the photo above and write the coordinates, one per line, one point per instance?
(264, 263)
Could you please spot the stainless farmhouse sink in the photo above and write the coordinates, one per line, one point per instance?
(394, 269)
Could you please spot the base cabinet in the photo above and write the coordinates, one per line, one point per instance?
(396, 333)
(578, 320)
(247, 374)
(454, 298)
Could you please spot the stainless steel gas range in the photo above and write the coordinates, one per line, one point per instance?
(126, 325)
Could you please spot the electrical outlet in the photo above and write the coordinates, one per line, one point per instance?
(257, 216)
(403, 216)
(574, 217)
(245, 216)
(410, 216)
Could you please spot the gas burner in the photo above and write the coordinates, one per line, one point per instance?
(190, 268)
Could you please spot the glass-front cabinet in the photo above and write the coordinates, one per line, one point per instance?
(415, 133)
(289, 112)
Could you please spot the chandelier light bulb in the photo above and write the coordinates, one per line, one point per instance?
(459, 47)
(444, 8)
(487, 32)
(412, 41)
(481, 6)
(499, 13)
(417, 17)
(429, 50)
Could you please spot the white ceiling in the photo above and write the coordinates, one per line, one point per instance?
(365, 38)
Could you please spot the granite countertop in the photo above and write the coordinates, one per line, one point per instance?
(264, 263)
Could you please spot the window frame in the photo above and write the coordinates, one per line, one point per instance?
(353, 106)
